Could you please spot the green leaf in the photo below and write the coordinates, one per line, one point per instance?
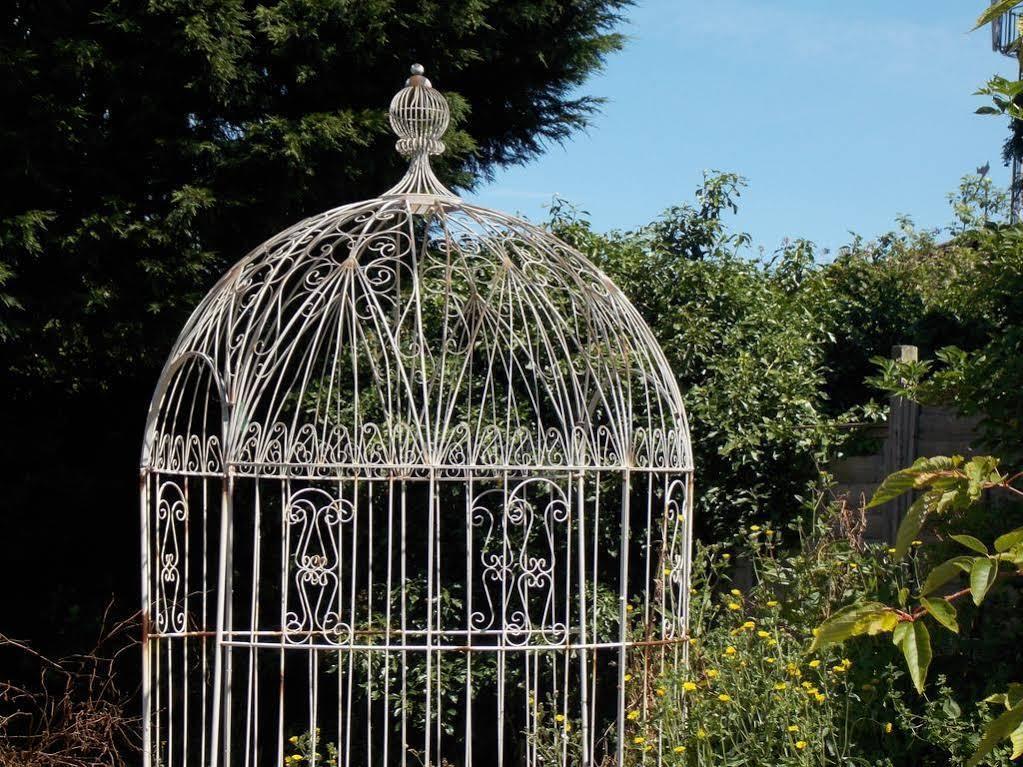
(1008, 699)
(981, 472)
(945, 572)
(994, 11)
(921, 473)
(915, 642)
(943, 611)
(893, 486)
(1013, 555)
(982, 575)
(867, 618)
(1010, 539)
(910, 526)
(998, 730)
(971, 543)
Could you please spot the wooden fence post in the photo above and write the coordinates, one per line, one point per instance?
(900, 444)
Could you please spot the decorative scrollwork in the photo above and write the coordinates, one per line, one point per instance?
(315, 521)
(171, 524)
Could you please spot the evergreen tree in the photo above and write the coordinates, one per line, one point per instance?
(151, 143)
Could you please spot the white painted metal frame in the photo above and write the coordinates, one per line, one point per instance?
(416, 489)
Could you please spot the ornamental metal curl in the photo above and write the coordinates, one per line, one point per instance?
(415, 477)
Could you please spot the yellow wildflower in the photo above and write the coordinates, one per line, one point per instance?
(839, 669)
(632, 716)
(661, 691)
(729, 650)
(679, 749)
(892, 550)
(814, 663)
(667, 571)
(293, 739)
(793, 728)
(749, 624)
(735, 593)
(689, 686)
(712, 673)
(734, 606)
(887, 728)
(763, 634)
(628, 677)
(559, 717)
(755, 528)
(724, 697)
(768, 533)
(628, 608)
(701, 733)
(781, 686)
(853, 566)
(800, 744)
(918, 543)
(769, 660)
(847, 663)
(772, 642)
(772, 603)
(820, 697)
(726, 556)
(815, 632)
(638, 739)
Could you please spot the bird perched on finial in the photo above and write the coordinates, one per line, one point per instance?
(983, 169)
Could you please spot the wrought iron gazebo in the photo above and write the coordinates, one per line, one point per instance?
(415, 489)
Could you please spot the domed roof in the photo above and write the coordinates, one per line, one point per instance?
(415, 332)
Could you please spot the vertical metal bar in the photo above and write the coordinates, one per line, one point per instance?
(388, 597)
(503, 636)
(352, 571)
(147, 741)
(226, 494)
(431, 594)
(186, 587)
(623, 600)
(228, 650)
(369, 620)
(404, 618)
(469, 584)
(285, 567)
(252, 694)
(581, 591)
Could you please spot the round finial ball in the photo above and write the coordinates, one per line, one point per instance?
(417, 69)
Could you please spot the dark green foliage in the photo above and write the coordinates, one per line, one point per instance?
(774, 354)
(748, 339)
(151, 144)
(980, 369)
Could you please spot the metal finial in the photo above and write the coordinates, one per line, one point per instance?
(419, 116)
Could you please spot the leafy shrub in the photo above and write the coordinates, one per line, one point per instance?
(853, 705)
(947, 487)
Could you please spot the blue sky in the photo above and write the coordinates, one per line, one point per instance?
(840, 115)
